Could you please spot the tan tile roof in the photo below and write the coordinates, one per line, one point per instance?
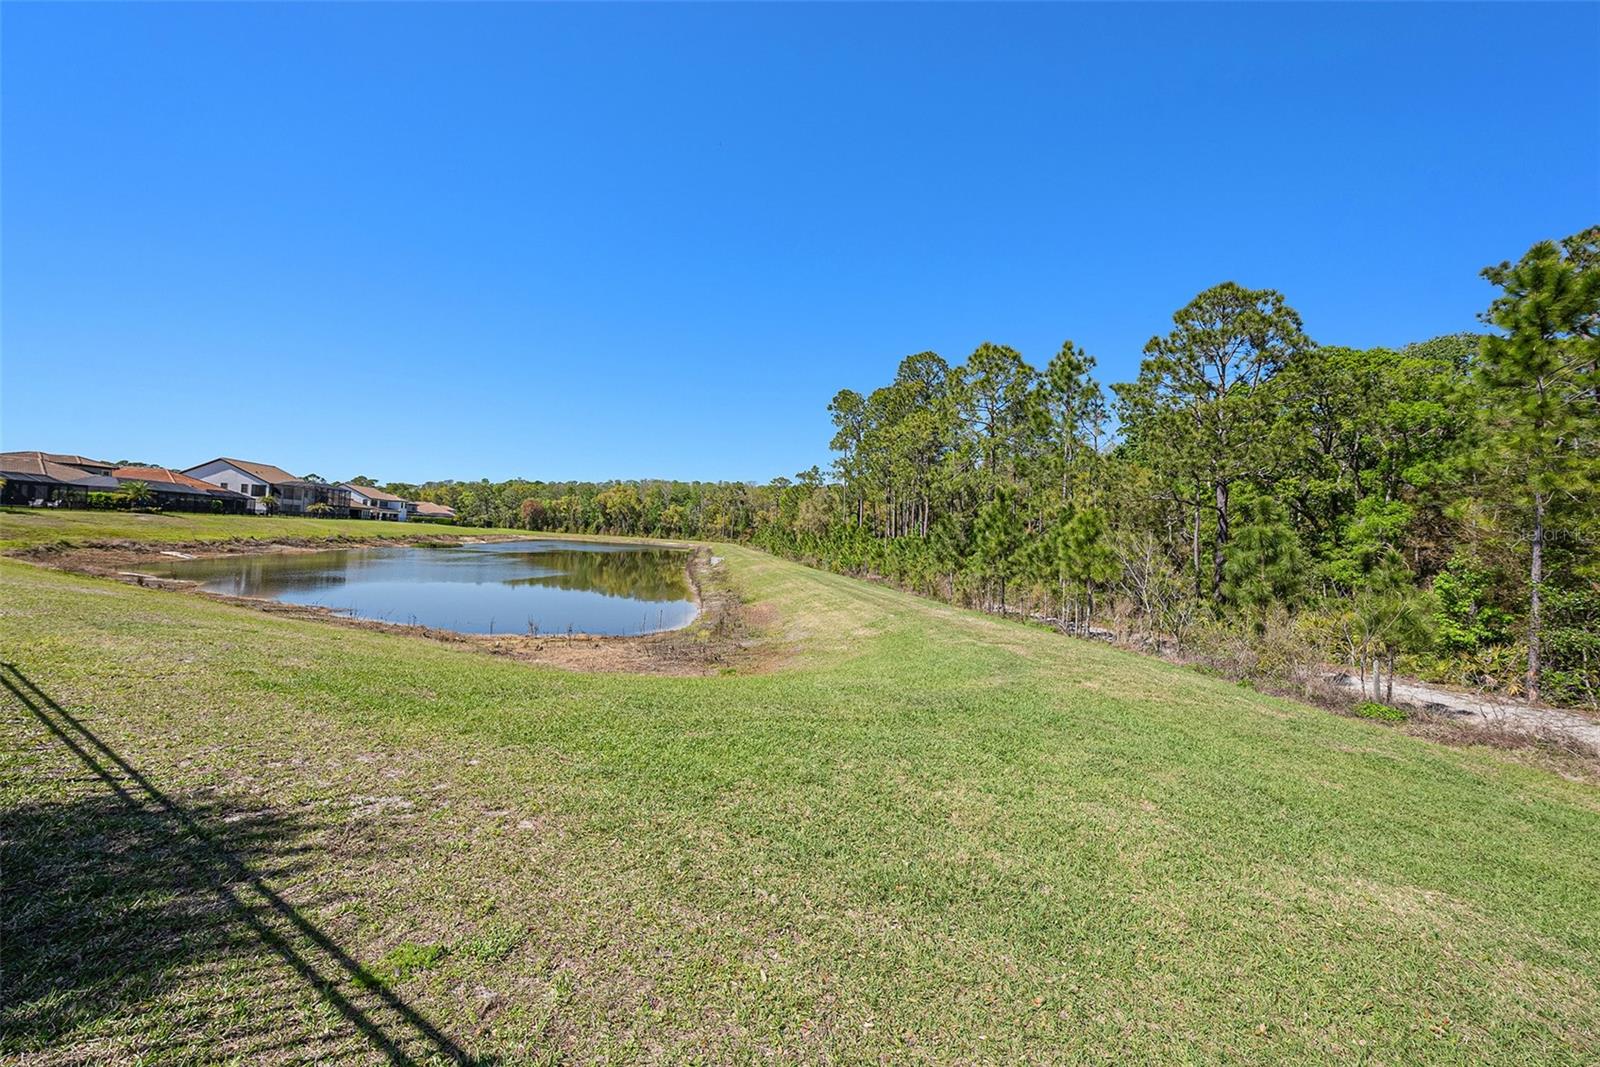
(41, 465)
(161, 475)
(428, 507)
(372, 493)
(75, 461)
(265, 471)
(23, 462)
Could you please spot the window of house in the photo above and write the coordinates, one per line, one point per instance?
(258, 490)
(223, 484)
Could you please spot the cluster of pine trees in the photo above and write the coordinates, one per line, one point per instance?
(1437, 503)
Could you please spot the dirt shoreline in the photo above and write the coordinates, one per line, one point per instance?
(717, 641)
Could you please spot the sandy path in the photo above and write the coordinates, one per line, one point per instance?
(1490, 710)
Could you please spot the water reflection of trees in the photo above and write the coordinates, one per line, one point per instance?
(614, 570)
(266, 573)
(643, 574)
(273, 577)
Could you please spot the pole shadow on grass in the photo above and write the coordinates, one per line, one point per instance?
(118, 899)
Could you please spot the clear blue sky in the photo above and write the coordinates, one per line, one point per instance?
(617, 241)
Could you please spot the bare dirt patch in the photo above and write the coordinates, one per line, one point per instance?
(726, 636)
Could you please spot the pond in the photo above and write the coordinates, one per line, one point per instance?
(522, 587)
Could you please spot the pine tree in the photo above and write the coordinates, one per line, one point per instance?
(1541, 382)
(1071, 411)
(1085, 557)
(1265, 563)
(1000, 533)
(1200, 389)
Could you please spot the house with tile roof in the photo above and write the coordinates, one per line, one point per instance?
(272, 488)
(175, 491)
(370, 502)
(428, 511)
(52, 478)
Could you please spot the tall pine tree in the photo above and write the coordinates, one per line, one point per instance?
(1541, 378)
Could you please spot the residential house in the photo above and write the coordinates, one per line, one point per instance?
(369, 502)
(262, 482)
(53, 478)
(175, 491)
(427, 511)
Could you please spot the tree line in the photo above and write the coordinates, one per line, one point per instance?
(1434, 506)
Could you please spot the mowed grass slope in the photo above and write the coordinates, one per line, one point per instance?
(927, 836)
(25, 528)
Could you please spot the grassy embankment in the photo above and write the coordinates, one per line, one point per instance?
(929, 835)
(25, 528)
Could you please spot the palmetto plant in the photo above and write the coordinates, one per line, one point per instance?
(138, 493)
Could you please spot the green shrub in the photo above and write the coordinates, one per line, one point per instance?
(1465, 617)
(1572, 646)
(1494, 668)
(1371, 709)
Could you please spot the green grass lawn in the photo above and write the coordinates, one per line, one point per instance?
(24, 528)
(929, 835)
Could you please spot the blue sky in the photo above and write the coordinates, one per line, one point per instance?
(618, 241)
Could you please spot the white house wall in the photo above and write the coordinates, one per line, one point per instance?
(392, 510)
(226, 476)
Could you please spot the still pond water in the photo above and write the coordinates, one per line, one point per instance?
(544, 587)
